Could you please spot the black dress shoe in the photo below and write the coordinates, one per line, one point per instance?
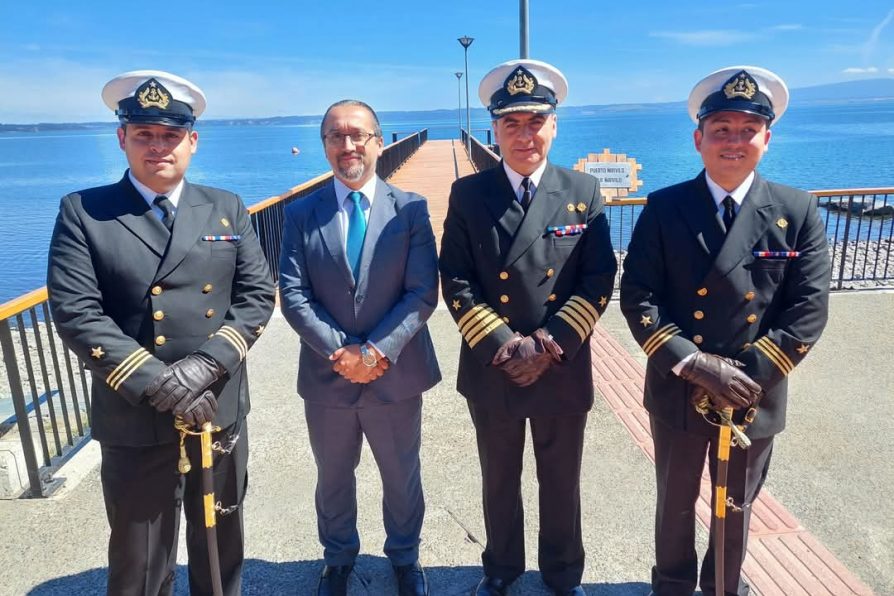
(334, 580)
(491, 586)
(411, 580)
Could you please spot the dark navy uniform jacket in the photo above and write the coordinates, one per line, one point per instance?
(687, 287)
(502, 271)
(127, 301)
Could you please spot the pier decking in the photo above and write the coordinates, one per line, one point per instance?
(822, 526)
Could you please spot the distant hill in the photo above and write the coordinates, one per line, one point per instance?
(850, 91)
(868, 89)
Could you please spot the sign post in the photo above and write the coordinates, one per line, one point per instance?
(618, 174)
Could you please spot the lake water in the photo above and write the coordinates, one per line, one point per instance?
(815, 147)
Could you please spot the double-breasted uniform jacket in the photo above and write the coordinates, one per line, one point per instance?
(504, 270)
(686, 287)
(395, 294)
(129, 297)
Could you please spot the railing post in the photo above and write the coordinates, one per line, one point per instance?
(18, 402)
(847, 230)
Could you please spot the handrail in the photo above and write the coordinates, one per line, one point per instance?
(22, 303)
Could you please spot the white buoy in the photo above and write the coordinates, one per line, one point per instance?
(295, 151)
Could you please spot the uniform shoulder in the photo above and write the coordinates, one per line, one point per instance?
(787, 192)
(672, 192)
(476, 180)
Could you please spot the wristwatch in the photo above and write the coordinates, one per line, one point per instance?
(368, 356)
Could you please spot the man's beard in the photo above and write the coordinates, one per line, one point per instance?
(352, 173)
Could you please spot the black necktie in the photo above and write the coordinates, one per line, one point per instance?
(729, 212)
(164, 203)
(526, 195)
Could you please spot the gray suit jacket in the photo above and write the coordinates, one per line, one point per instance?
(388, 305)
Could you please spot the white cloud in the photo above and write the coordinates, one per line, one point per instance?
(787, 27)
(858, 70)
(710, 37)
(891, 70)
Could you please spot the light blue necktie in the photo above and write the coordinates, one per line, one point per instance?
(356, 233)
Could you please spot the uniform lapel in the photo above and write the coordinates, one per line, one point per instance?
(542, 210)
(501, 202)
(699, 211)
(193, 212)
(326, 214)
(751, 223)
(134, 214)
(381, 212)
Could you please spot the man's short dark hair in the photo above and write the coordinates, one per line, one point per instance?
(357, 104)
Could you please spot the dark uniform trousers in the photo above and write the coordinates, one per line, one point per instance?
(130, 297)
(757, 293)
(144, 495)
(505, 270)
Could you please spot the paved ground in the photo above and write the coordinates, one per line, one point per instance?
(832, 469)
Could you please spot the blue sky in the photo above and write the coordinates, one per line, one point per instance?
(273, 58)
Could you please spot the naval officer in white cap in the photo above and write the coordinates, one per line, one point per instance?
(527, 269)
(160, 287)
(725, 287)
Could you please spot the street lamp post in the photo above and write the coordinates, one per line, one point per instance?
(466, 41)
(459, 102)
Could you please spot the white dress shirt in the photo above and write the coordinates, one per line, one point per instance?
(346, 205)
(515, 179)
(149, 195)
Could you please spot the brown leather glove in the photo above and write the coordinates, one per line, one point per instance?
(197, 411)
(185, 379)
(534, 355)
(506, 350)
(721, 379)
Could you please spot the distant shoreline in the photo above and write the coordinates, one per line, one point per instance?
(477, 113)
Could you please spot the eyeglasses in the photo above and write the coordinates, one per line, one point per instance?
(337, 139)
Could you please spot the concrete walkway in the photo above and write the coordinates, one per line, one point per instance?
(832, 470)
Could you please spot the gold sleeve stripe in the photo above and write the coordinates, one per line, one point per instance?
(776, 356)
(586, 304)
(573, 323)
(124, 365)
(471, 312)
(134, 365)
(485, 332)
(483, 313)
(582, 320)
(480, 324)
(583, 312)
(659, 338)
(230, 334)
(238, 337)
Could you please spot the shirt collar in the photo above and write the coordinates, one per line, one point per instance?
(149, 195)
(738, 193)
(342, 190)
(515, 179)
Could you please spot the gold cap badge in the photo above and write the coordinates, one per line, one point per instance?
(521, 81)
(153, 95)
(742, 85)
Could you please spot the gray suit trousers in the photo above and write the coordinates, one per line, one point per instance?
(394, 433)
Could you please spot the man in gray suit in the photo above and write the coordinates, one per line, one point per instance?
(358, 281)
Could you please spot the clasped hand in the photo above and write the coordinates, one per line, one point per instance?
(722, 379)
(348, 362)
(525, 359)
(181, 389)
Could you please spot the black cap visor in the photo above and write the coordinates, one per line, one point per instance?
(718, 102)
(178, 114)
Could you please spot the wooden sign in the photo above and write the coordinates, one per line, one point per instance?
(618, 174)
